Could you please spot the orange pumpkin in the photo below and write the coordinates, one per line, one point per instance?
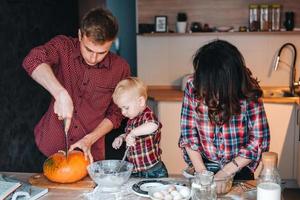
(58, 168)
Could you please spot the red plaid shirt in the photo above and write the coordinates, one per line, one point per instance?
(246, 135)
(146, 152)
(90, 88)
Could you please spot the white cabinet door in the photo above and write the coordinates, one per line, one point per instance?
(282, 119)
(169, 116)
(297, 141)
(283, 126)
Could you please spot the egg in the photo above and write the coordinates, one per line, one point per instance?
(158, 195)
(177, 197)
(185, 192)
(168, 197)
(175, 193)
(171, 188)
(165, 192)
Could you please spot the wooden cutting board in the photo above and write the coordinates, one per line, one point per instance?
(41, 181)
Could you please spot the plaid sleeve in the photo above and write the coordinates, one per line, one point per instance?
(149, 116)
(259, 134)
(189, 136)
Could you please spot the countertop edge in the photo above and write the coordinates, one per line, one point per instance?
(174, 94)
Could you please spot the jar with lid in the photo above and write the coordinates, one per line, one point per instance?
(269, 181)
(264, 17)
(275, 17)
(253, 17)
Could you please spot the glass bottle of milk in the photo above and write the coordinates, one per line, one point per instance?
(269, 181)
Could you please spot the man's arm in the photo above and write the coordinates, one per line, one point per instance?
(38, 64)
(87, 141)
(63, 105)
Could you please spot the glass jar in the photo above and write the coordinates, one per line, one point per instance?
(264, 17)
(269, 181)
(203, 186)
(289, 21)
(275, 17)
(253, 17)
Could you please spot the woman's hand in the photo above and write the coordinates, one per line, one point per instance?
(118, 141)
(85, 145)
(221, 185)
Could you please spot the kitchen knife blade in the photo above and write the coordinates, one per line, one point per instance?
(66, 138)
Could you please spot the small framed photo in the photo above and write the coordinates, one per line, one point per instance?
(161, 23)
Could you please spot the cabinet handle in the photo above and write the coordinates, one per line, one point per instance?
(298, 110)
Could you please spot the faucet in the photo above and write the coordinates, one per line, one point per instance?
(293, 82)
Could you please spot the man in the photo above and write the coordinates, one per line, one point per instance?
(80, 74)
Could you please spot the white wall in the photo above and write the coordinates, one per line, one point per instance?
(164, 59)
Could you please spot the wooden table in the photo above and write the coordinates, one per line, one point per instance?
(71, 194)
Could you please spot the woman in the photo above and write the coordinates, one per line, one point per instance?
(224, 128)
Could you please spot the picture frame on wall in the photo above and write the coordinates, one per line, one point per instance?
(161, 24)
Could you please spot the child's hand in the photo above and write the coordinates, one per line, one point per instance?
(130, 140)
(118, 142)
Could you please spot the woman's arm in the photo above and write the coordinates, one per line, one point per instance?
(233, 167)
(196, 159)
(189, 140)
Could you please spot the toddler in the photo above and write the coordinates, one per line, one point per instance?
(142, 133)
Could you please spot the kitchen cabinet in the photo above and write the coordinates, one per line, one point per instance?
(284, 130)
(297, 141)
(168, 112)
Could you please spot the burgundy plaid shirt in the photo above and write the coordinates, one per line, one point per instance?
(246, 135)
(90, 88)
(146, 152)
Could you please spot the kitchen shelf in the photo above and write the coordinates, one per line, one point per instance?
(221, 33)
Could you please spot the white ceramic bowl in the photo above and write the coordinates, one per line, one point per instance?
(105, 175)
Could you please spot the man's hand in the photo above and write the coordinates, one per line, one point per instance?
(85, 145)
(63, 108)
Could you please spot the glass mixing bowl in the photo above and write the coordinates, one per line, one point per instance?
(108, 175)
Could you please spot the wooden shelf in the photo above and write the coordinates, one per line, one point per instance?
(221, 33)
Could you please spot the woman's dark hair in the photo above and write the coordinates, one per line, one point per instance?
(221, 80)
(100, 25)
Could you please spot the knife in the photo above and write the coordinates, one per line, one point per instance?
(66, 138)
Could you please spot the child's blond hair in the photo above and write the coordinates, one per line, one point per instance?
(130, 84)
